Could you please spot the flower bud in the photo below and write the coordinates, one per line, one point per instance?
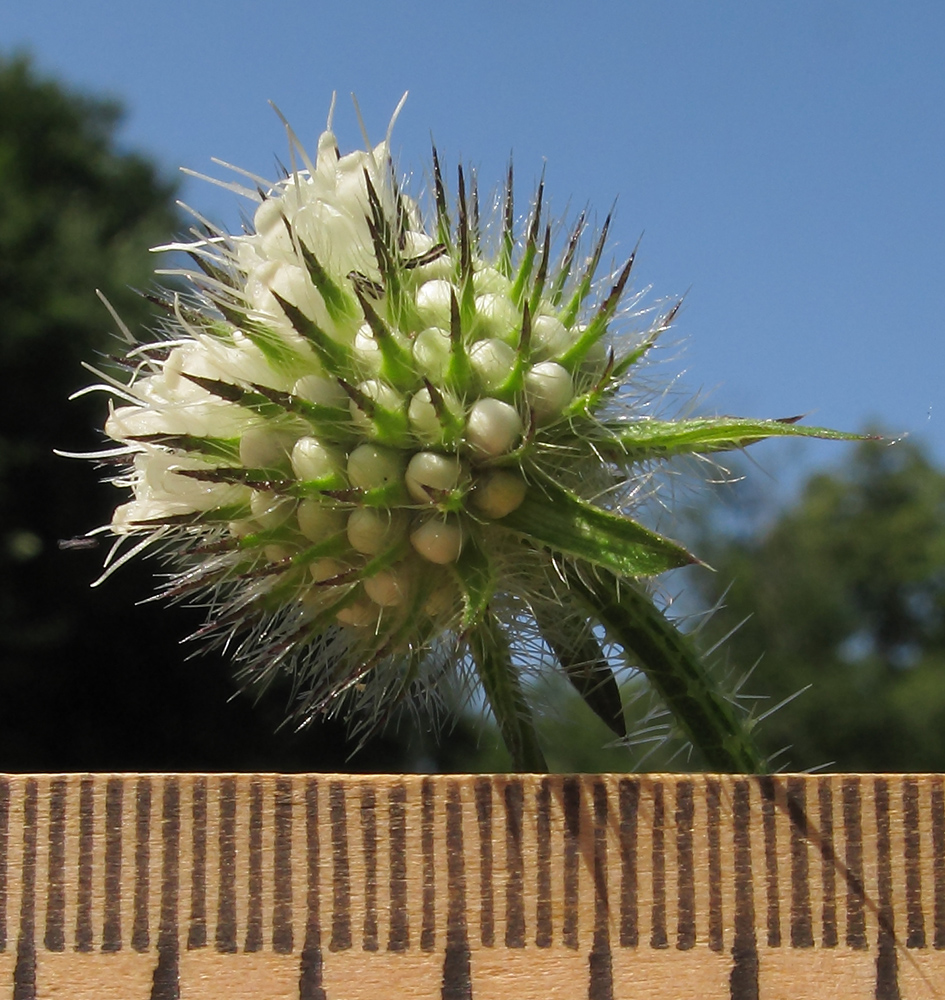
(318, 521)
(416, 245)
(359, 613)
(550, 338)
(433, 303)
(326, 569)
(311, 460)
(431, 352)
(488, 279)
(371, 466)
(366, 351)
(492, 427)
(323, 391)
(424, 420)
(498, 317)
(384, 395)
(278, 553)
(548, 390)
(372, 530)
(270, 510)
(498, 492)
(439, 541)
(261, 448)
(430, 474)
(492, 361)
(388, 587)
(443, 599)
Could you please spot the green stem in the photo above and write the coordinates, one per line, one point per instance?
(673, 666)
(490, 650)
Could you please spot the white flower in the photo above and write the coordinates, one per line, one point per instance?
(380, 447)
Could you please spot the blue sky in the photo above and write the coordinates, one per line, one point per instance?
(784, 163)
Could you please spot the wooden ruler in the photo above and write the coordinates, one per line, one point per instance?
(340, 887)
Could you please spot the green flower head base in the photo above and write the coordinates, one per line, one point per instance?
(384, 451)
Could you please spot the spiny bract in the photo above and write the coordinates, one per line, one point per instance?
(379, 449)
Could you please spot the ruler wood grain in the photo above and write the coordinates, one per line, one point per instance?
(341, 887)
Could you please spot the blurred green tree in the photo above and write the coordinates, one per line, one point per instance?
(74, 216)
(843, 591)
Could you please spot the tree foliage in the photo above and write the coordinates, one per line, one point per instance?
(845, 592)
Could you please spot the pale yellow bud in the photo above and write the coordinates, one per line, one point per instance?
(388, 587)
(270, 510)
(317, 521)
(499, 492)
(372, 530)
(438, 540)
(372, 465)
(548, 390)
(429, 474)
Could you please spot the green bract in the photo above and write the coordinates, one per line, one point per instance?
(380, 448)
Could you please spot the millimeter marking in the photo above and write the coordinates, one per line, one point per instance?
(340, 887)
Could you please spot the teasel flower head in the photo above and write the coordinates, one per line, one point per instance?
(387, 448)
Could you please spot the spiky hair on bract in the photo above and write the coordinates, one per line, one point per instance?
(383, 450)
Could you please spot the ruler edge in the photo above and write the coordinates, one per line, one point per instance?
(896, 781)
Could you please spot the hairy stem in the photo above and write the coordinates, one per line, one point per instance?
(673, 666)
(490, 650)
